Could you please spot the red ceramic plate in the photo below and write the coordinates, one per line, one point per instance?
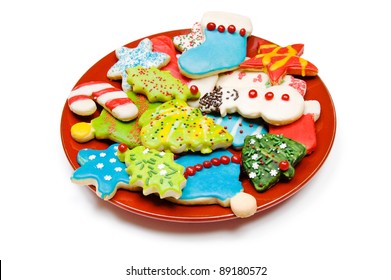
(153, 207)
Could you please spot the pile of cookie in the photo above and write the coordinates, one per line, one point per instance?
(185, 104)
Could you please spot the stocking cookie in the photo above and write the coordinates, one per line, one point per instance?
(102, 169)
(153, 171)
(81, 100)
(177, 127)
(214, 179)
(224, 47)
(159, 85)
(267, 158)
(191, 40)
(278, 61)
(142, 55)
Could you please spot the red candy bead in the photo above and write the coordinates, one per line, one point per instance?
(211, 26)
(221, 28)
(190, 171)
(285, 97)
(252, 93)
(283, 165)
(236, 159)
(225, 160)
(198, 167)
(122, 147)
(231, 28)
(242, 32)
(207, 164)
(194, 89)
(269, 95)
(215, 161)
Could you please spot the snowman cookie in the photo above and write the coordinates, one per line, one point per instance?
(251, 95)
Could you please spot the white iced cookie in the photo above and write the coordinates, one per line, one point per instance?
(243, 205)
(82, 99)
(204, 86)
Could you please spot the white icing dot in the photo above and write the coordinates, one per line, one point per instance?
(107, 177)
(273, 172)
(91, 157)
(100, 165)
(102, 154)
(163, 172)
(118, 169)
(161, 166)
(252, 175)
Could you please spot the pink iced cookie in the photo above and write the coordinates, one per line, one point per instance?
(115, 101)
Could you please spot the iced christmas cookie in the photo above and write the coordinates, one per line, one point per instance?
(164, 44)
(142, 55)
(214, 179)
(224, 47)
(303, 131)
(267, 158)
(102, 169)
(81, 100)
(159, 86)
(278, 61)
(240, 127)
(177, 127)
(153, 171)
(105, 126)
(191, 40)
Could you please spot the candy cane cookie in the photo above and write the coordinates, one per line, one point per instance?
(82, 97)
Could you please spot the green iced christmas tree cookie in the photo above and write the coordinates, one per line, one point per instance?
(267, 158)
(158, 85)
(174, 126)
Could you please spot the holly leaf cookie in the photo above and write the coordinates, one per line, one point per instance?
(159, 86)
(154, 171)
(177, 127)
(267, 158)
(103, 169)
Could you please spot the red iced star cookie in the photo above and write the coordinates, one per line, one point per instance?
(278, 61)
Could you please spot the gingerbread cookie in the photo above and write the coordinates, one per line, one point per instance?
(153, 171)
(102, 169)
(177, 127)
(214, 179)
(159, 86)
(278, 61)
(224, 47)
(267, 158)
(142, 55)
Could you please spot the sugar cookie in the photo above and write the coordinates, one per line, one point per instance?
(142, 55)
(177, 127)
(267, 157)
(191, 40)
(102, 169)
(224, 47)
(112, 99)
(159, 86)
(278, 61)
(154, 171)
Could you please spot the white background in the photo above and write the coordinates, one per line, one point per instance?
(337, 227)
